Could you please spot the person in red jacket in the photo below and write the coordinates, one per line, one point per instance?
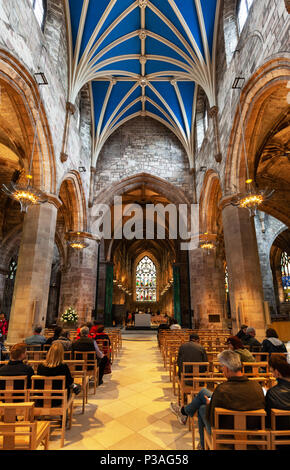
(3, 326)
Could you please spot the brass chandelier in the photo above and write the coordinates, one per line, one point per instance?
(76, 242)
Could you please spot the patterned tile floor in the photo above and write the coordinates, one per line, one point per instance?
(130, 411)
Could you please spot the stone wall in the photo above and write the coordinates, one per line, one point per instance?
(265, 34)
(143, 145)
(47, 52)
(267, 229)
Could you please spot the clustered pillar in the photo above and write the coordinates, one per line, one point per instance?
(246, 289)
(29, 304)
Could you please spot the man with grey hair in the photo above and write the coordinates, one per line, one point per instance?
(84, 343)
(238, 393)
(251, 341)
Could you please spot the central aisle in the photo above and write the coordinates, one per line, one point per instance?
(130, 411)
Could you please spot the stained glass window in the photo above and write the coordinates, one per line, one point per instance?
(146, 281)
(12, 269)
(226, 280)
(285, 272)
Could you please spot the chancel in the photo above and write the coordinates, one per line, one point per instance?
(144, 225)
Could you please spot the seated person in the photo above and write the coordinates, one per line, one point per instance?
(238, 394)
(174, 324)
(279, 395)
(242, 333)
(88, 325)
(3, 326)
(272, 343)
(191, 351)
(36, 338)
(57, 332)
(235, 344)
(85, 343)
(100, 334)
(251, 341)
(64, 339)
(16, 365)
(54, 365)
(95, 327)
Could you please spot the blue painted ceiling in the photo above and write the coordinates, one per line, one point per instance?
(143, 57)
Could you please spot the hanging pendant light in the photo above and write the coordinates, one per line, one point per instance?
(252, 198)
(76, 241)
(25, 193)
(206, 244)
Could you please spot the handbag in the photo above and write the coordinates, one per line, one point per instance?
(108, 369)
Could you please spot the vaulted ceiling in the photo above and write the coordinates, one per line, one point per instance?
(143, 57)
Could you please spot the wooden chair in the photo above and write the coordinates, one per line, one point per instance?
(36, 355)
(280, 429)
(78, 370)
(254, 369)
(198, 384)
(91, 364)
(189, 371)
(243, 435)
(50, 397)
(26, 434)
(13, 389)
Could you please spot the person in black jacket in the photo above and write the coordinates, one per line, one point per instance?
(84, 343)
(251, 341)
(279, 395)
(272, 343)
(56, 335)
(191, 351)
(242, 333)
(16, 365)
(54, 366)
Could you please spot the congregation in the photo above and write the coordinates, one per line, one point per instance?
(232, 384)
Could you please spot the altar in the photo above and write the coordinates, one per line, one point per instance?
(143, 320)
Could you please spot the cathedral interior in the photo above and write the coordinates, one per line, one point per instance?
(108, 108)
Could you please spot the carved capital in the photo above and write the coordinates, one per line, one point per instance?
(63, 157)
(218, 157)
(213, 111)
(71, 108)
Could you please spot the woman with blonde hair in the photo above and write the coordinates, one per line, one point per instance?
(54, 366)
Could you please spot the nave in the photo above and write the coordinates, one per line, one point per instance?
(131, 410)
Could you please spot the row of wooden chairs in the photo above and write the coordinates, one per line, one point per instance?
(242, 437)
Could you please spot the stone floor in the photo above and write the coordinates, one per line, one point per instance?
(130, 411)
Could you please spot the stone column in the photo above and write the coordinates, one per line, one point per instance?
(246, 288)
(207, 288)
(109, 293)
(29, 304)
(3, 276)
(176, 293)
(79, 281)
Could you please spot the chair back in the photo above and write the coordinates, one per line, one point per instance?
(89, 357)
(17, 426)
(240, 430)
(255, 368)
(280, 429)
(49, 394)
(13, 389)
(36, 355)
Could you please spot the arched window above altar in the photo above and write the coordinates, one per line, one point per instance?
(146, 280)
